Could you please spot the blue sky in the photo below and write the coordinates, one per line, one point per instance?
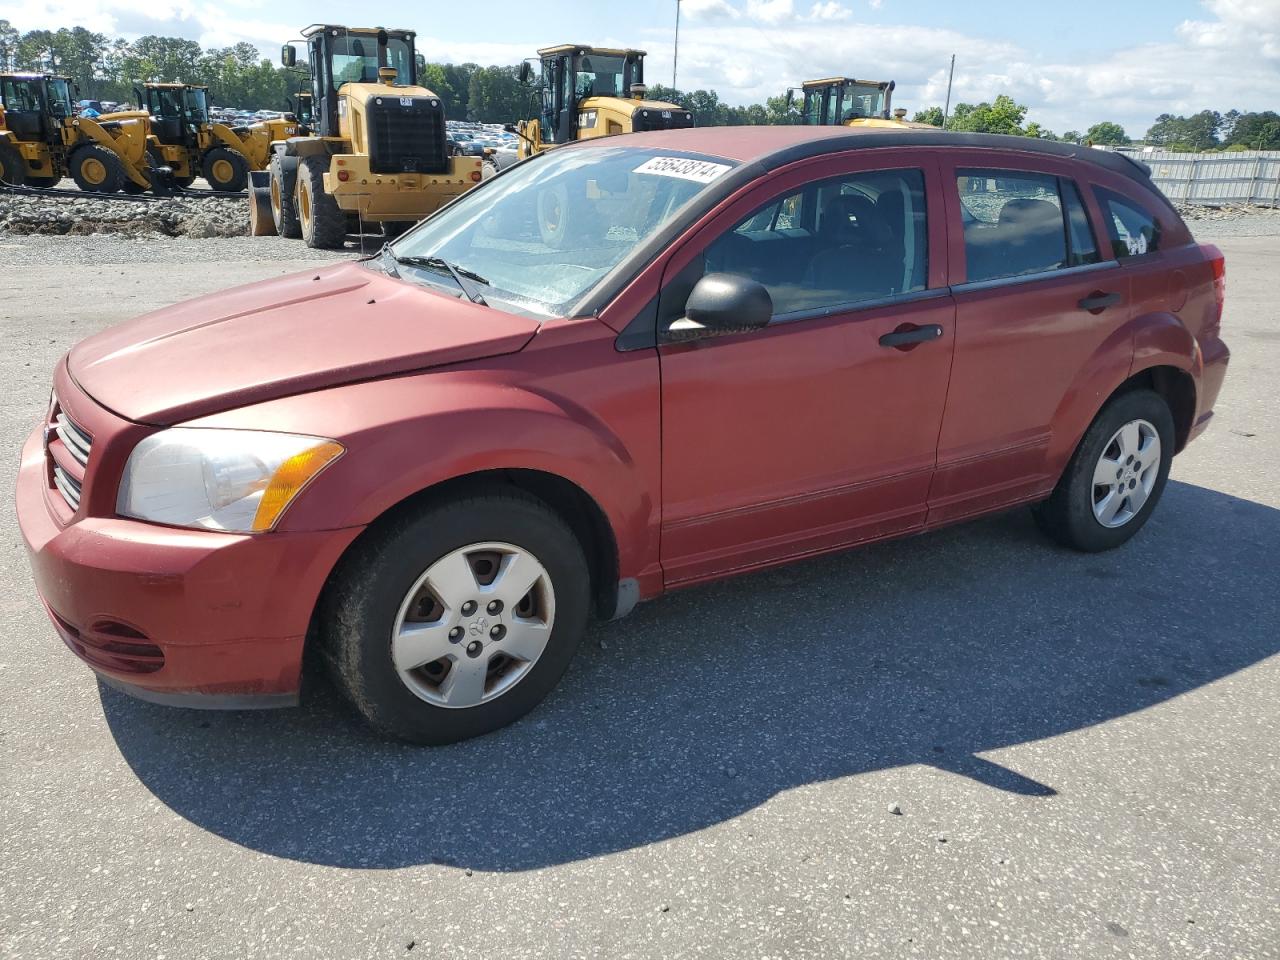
(1073, 64)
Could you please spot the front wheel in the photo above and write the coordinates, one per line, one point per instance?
(1116, 476)
(459, 620)
(225, 169)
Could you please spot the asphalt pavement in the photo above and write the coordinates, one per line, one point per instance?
(965, 744)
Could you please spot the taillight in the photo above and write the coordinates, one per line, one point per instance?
(1218, 264)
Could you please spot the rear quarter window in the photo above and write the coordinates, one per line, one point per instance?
(1133, 230)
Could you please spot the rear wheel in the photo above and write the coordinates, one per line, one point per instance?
(457, 621)
(284, 181)
(96, 169)
(1116, 476)
(323, 224)
(13, 169)
(225, 169)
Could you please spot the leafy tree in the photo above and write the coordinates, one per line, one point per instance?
(1256, 131)
(1002, 115)
(1195, 133)
(1072, 136)
(1108, 133)
(929, 115)
(9, 39)
(1037, 132)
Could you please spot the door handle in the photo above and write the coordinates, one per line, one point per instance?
(1099, 301)
(908, 335)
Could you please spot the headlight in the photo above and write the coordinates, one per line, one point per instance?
(236, 480)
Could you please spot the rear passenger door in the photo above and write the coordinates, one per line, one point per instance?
(810, 433)
(1036, 301)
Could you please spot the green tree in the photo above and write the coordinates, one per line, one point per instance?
(929, 115)
(1256, 131)
(1002, 115)
(1107, 132)
(1037, 132)
(9, 39)
(1072, 136)
(779, 111)
(1195, 133)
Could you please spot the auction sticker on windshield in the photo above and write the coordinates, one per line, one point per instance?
(684, 168)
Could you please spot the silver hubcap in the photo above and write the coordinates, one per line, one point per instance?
(473, 625)
(1126, 473)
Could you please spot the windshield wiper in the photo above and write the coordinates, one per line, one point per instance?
(460, 275)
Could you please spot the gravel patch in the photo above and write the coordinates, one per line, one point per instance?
(1209, 222)
(62, 215)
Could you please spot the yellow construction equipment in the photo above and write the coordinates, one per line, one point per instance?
(843, 101)
(42, 141)
(379, 153)
(184, 139)
(591, 92)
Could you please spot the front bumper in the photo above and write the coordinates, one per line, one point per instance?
(191, 617)
(397, 196)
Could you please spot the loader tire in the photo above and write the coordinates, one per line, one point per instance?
(324, 225)
(225, 169)
(284, 185)
(96, 169)
(44, 183)
(13, 169)
(260, 223)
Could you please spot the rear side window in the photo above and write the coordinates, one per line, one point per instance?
(832, 243)
(1133, 231)
(1018, 223)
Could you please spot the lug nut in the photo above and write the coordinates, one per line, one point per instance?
(495, 606)
(498, 632)
(455, 634)
(468, 608)
(474, 648)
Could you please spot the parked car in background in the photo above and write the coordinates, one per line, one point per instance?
(628, 365)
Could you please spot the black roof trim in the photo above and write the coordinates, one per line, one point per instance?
(868, 139)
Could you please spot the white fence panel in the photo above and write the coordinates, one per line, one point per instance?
(1216, 179)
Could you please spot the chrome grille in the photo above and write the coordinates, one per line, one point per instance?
(68, 486)
(75, 439)
(67, 447)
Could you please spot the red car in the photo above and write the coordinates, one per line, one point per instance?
(628, 365)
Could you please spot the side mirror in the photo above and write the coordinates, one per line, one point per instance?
(791, 97)
(722, 303)
(288, 56)
(526, 71)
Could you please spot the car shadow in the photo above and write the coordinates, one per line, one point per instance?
(703, 705)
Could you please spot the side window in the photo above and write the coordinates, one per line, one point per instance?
(1013, 223)
(1083, 248)
(1133, 231)
(838, 241)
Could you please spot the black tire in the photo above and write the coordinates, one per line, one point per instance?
(284, 184)
(323, 224)
(96, 169)
(225, 169)
(13, 169)
(183, 182)
(1068, 515)
(359, 612)
(44, 183)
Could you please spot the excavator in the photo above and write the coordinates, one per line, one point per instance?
(591, 92)
(42, 140)
(378, 153)
(184, 139)
(843, 101)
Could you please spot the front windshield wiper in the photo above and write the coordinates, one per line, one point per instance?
(461, 276)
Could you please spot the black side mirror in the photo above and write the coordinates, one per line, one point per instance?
(791, 97)
(723, 303)
(526, 71)
(288, 56)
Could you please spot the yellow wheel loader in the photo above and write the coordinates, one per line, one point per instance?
(591, 92)
(184, 139)
(843, 101)
(42, 141)
(378, 154)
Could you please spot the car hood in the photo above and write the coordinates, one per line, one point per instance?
(297, 333)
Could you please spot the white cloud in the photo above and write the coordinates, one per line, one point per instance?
(875, 4)
(829, 10)
(709, 9)
(771, 11)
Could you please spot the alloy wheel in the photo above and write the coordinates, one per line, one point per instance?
(1126, 473)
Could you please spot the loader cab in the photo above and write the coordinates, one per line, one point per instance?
(304, 110)
(340, 55)
(177, 111)
(836, 101)
(572, 74)
(35, 106)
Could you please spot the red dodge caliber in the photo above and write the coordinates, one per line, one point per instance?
(628, 365)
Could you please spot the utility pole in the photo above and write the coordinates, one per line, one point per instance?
(946, 111)
(675, 53)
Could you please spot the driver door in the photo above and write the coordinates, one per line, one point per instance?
(809, 434)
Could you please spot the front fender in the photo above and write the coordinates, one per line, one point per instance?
(408, 434)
